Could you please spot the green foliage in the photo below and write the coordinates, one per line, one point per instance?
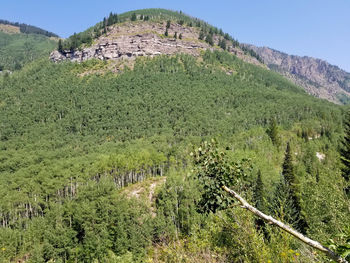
(214, 171)
(209, 39)
(176, 207)
(343, 248)
(68, 143)
(133, 17)
(17, 50)
(222, 44)
(87, 228)
(112, 19)
(259, 197)
(272, 131)
(60, 47)
(28, 29)
(259, 201)
(201, 35)
(287, 195)
(345, 150)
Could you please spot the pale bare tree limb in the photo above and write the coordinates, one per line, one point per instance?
(331, 254)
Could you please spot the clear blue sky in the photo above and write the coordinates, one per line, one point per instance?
(318, 28)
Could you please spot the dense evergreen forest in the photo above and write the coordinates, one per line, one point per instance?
(104, 167)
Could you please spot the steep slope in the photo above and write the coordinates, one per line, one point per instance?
(55, 122)
(318, 77)
(21, 44)
(11, 27)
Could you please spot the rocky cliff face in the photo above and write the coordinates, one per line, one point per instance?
(316, 76)
(132, 39)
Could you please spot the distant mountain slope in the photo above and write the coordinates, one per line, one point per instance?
(25, 29)
(21, 44)
(316, 76)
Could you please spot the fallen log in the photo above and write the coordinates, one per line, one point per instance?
(244, 204)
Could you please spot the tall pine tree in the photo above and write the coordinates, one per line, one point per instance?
(133, 17)
(287, 195)
(260, 202)
(272, 131)
(345, 154)
(60, 46)
(258, 195)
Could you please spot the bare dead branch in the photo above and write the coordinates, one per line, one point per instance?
(331, 254)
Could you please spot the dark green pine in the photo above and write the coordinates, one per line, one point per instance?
(294, 194)
(345, 151)
(287, 167)
(258, 195)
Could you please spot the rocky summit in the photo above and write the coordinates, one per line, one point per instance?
(131, 39)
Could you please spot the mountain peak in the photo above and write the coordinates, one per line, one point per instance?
(148, 32)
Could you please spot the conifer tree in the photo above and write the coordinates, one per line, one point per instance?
(97, 33)
(258, 195)
(259, 200)
(287, 167)
(175, 35)
(209, 40)
(345, 154)
(74, 42)
(201, 35)
(60, 47)
(104, 23)
(166, 32)
(180, 36)
(222, 44)
(133, 17)
(104, 26)
(168, 23)
(110, 19)
(272, 131)
(292, 191)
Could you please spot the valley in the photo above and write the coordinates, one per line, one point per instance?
(116, 142)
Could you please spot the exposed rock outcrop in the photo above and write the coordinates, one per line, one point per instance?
(133, 39)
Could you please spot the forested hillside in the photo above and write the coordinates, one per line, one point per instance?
(18, 48)
(28, 29)
(104, 167)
